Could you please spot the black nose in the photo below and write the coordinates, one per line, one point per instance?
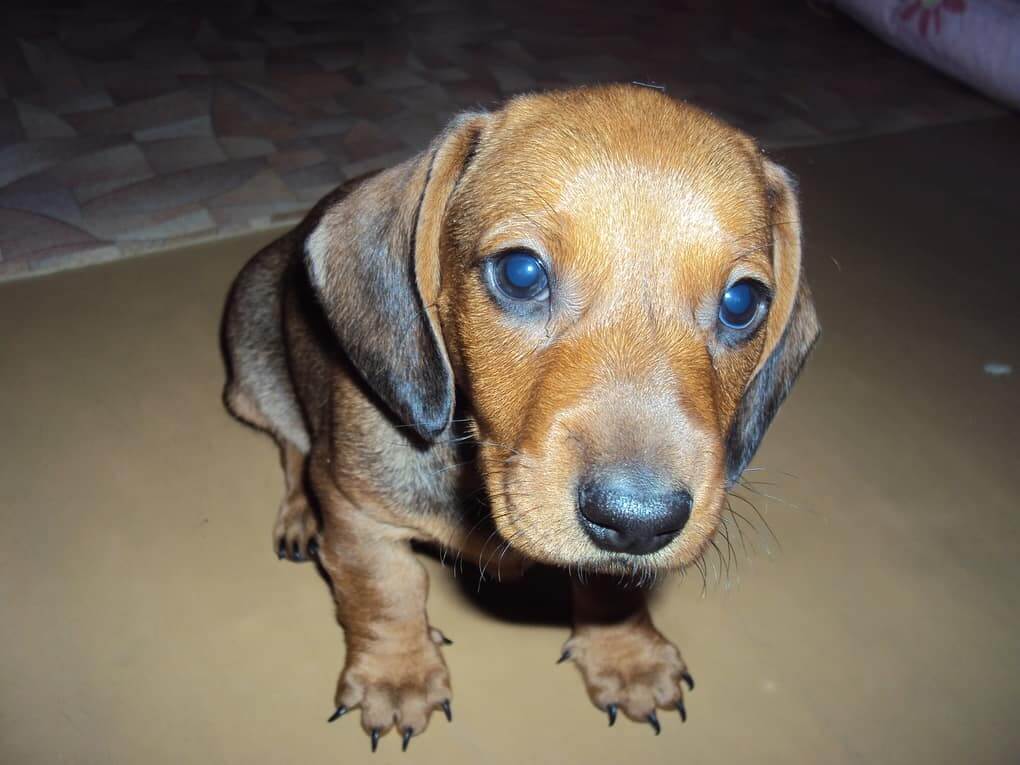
(626, 511)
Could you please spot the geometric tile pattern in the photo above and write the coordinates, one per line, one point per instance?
(125, 127)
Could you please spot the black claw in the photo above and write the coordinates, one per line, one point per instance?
(447, 641)
(682, 710)
(281, 550)
(447, 711)
(375, 738)
(340, 712)
(653, 720)
(686, 677)
(313, 549)
(296, 551)
(408, 732)
(563, 657)
(611, 711)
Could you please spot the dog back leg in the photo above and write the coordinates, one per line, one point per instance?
(259, 391)
(296, 531)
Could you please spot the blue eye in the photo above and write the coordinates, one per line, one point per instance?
(520, 275)
(739, 305)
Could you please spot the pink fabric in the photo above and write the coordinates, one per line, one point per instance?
(977, 41)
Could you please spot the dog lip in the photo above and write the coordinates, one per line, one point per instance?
(670, 533)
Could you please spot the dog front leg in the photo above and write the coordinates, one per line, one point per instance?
(394, 669)
(626, 663)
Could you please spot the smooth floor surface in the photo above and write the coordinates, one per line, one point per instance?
(144, 618)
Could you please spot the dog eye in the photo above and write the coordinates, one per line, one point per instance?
(520, 275)
(739, 305)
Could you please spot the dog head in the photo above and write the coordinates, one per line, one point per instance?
(613, 281)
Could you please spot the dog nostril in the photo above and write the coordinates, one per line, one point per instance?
(680, 503)
(624, 514)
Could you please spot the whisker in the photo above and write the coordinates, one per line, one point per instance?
(760, 468)
(410, 425)
(737, 517)
(702, 569)
(731, 553)
(761, 518)
(447, 468)
(718, 552)
(782, 501)
(740, 531)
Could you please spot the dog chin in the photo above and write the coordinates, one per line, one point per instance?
(580, 557)
(629, 570)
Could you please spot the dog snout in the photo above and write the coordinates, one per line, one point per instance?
(629, 511)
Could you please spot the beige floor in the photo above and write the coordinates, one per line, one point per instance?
(143, 618)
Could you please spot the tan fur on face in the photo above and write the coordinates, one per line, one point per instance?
(645, 210)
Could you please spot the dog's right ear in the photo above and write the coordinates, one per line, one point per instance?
(373, 261)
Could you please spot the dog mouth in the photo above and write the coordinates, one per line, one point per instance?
(563, 541)
(626, 519)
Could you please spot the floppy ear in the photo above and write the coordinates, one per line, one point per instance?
(791, 328)
(373, 261)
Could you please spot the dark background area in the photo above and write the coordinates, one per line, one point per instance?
(129, 127)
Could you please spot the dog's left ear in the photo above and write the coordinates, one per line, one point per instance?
(791, 328)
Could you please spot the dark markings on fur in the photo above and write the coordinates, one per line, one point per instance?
(770, 387)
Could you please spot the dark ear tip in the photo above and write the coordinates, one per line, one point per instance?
(429, 408)
(430, 432)
(430, 425)
(770, 387)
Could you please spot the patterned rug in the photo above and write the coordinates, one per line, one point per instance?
(125, 128)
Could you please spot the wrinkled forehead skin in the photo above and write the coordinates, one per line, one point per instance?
(627, 188)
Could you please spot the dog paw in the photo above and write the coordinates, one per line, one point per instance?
(396, 690)
(296, 532)
(630, 669)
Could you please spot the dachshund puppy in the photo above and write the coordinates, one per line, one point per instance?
(565, 326)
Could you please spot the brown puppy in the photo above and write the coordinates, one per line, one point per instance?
(568, 322)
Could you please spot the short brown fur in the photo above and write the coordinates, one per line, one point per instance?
(368, 343)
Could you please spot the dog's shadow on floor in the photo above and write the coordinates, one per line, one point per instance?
(541, 596)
